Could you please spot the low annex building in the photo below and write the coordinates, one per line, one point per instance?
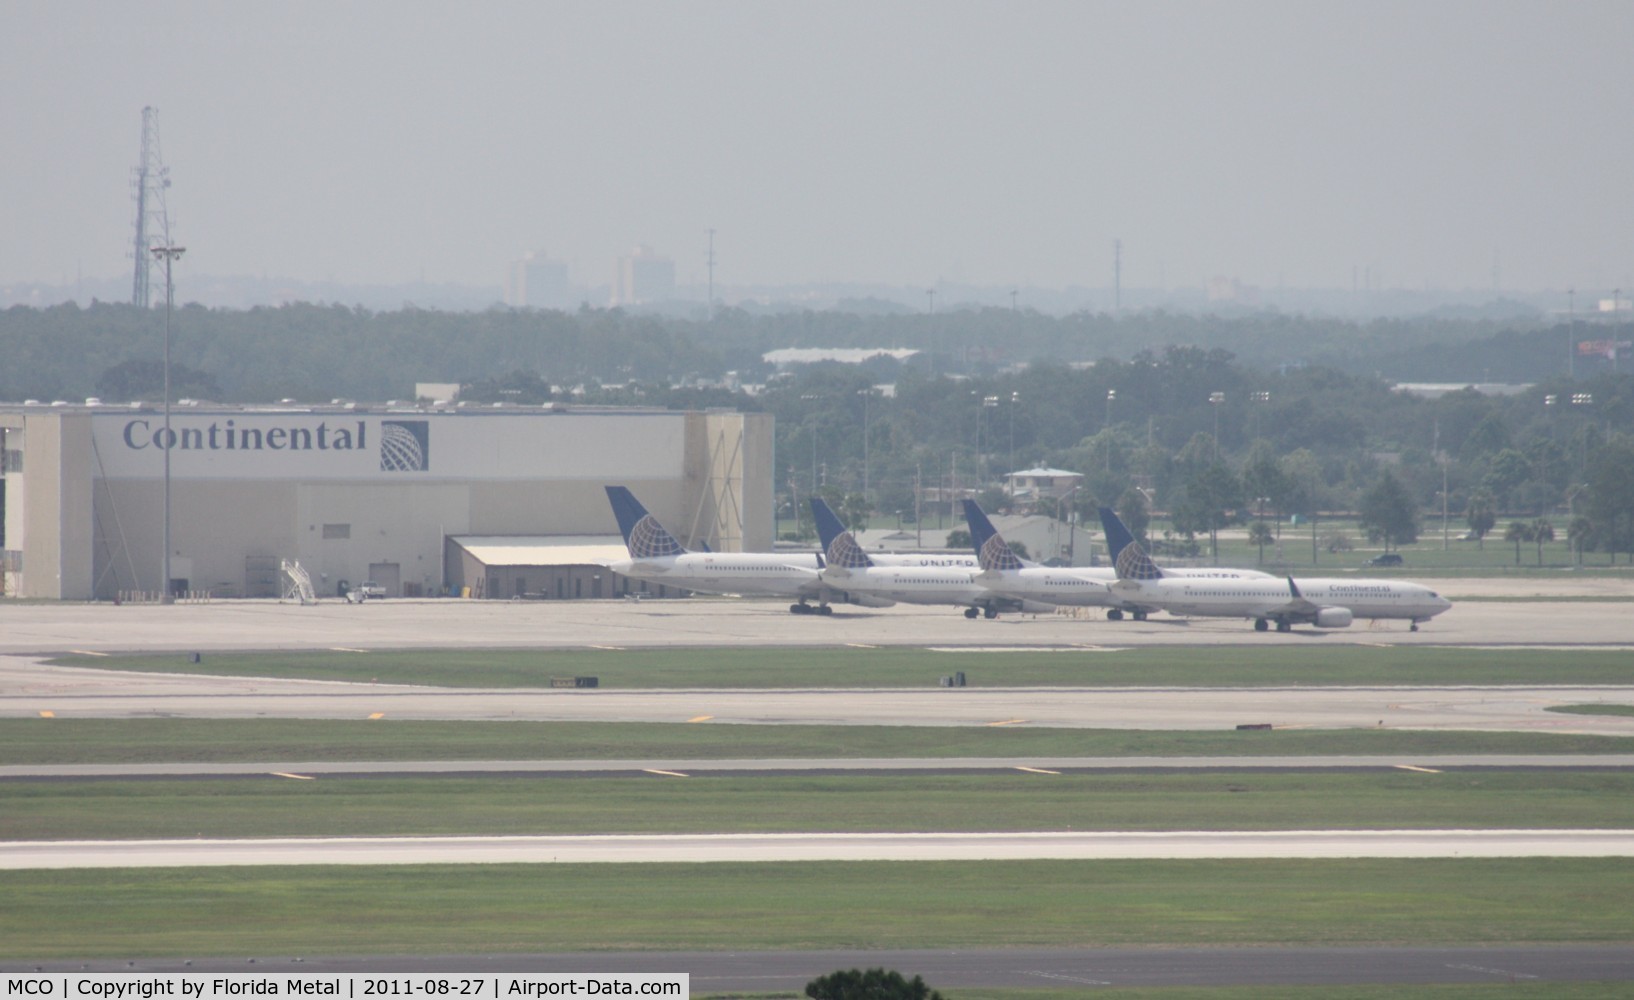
(355, 492)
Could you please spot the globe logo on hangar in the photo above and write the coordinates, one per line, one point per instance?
(405, 446)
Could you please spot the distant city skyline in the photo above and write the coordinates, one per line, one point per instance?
(1459, 146)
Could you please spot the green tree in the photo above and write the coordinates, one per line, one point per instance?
(1132, 509)
(1388, 514)
(1212, 494)
(1481, 517)
(1259, 533)
(854, 511)
(142, 380)
(1611, 496)
(875, 984)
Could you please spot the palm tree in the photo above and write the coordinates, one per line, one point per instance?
(1518, 532)
(1542, 531)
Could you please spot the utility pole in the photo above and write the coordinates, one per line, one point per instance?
(168, 254)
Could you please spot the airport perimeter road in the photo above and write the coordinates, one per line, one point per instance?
(30, 689)
(449, 623)
(740, 847)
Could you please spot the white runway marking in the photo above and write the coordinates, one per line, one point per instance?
(692, 848)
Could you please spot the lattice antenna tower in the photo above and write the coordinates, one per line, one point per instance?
(149, 179)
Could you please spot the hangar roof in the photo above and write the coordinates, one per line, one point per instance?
(543, 550)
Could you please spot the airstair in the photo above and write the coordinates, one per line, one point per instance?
(299, 587)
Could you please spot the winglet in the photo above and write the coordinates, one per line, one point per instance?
(644, 537)
(1130, 560)
(992, 551)
(840, 545)
(1293, 588)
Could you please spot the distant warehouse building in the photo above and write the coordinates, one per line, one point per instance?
(413, 497)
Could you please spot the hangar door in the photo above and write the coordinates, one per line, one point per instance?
(388, 575)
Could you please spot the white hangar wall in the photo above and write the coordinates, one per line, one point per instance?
(354, 493)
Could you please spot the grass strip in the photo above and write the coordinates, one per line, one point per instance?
(1014, 801)
(1508, 990)
(87, 741)
(1596, 709)
(496, 909)
(1300, 665)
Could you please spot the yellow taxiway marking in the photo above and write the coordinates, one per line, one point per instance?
(297, 777)
(613, 648)
(861, 645)
(700, 718)
(347, 649)
(1006, 722)
(1035, 770)
(377, 715)
(46, 713)
(86, 652)
(1410, 767)
(667, 774)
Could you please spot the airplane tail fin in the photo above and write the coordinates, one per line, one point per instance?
(643, 535)
(992, 551)
(840, 545)
(1128, 557)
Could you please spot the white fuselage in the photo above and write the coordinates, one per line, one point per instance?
(911, 584)
(1089, 587)
(1271, 597)
(747, 573)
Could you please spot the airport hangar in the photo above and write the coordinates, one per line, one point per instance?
(423, 499)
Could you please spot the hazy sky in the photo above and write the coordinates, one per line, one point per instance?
(385, 140)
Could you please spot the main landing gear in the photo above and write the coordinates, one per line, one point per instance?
(806, 609)
(1116, 615)
(989, 611)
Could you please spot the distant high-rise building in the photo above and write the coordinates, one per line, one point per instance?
(643, 276)
(540, 282)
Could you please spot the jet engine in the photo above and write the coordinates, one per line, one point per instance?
(1333, 618)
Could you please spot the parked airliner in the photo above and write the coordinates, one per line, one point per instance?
(930, 579)
(1324, 603)
(655, 556)
(1087, 586)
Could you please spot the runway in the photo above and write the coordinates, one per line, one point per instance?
(734, 767)
(28, 689)
(453, 623)
(760, 847)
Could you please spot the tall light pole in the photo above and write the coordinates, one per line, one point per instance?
(1215, 399)
(988, 402)
(865, 394)
(1111, 397)
(168, 254)
(1015, 397)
